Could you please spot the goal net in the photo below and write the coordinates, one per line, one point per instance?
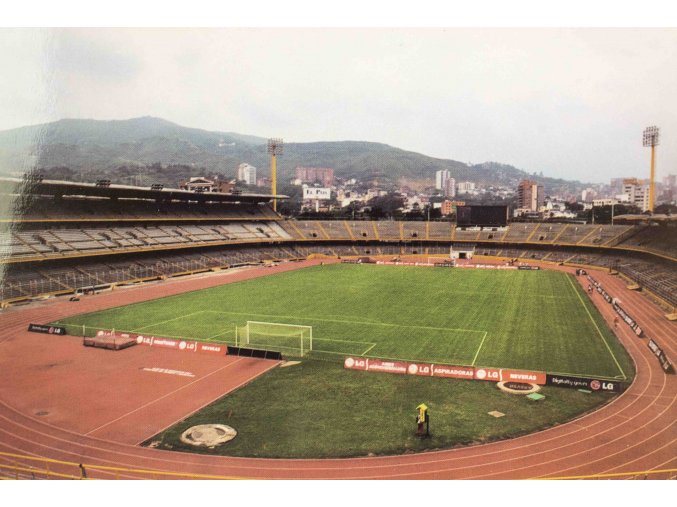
(287, 338)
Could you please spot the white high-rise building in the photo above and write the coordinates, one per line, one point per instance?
(441, 178)
(637, 192)
(247, 173)
(450, 188)
(445, 183)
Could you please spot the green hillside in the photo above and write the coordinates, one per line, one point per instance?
(94, 149)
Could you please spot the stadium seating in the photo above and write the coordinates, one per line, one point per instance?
(303, 229)
(60, 242)
(389, 229)
(65, 245)
(576, 233)
(491, 233)
(336, 230)
(414, 231)
(661, 239)
(520, 232)
(21, 281)
(659, 277)
(363, 230)
(467, 233)
(104, 209)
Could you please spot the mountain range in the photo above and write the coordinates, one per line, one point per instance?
(123, 149)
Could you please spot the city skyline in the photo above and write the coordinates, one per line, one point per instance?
(571, 103)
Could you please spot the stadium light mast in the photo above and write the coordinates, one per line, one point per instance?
(275, 148)
(650, 138)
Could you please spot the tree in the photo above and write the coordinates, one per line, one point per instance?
(385, 206)
(665, 209)
(574, 206)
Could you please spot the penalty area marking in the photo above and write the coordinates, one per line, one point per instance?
(369, 345)
(210, 338)
(165, 321)
(478, 349)
(365, 352)
(347, 321)
(599, 331)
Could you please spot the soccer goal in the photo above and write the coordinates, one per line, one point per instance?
(287, 338)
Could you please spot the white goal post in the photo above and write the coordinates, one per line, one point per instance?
(290, 338)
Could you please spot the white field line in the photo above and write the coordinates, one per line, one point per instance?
(163, 397)
(590, 375)
(209, 338)
(478, 349)
(347, 321)
(168, 320)
(597, 328)
(341, 321)
(341, 341)
(372, 346)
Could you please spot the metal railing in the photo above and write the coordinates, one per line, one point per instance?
(79, 280)
(23, 467)
(669, 474)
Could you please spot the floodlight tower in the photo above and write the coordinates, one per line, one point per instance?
(275, 148)
(651, 139)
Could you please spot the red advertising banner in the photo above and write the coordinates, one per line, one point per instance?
(387, 366)
(464, 372)
(359, 363)
(491, 374)
(500, 375)
(352, 363)
(529, 377)
(171, 343)
(424, 370)
(445, 370)
(211, 348)
(166, 343)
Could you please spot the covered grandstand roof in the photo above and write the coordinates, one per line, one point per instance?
(662, 219)
(104, 188)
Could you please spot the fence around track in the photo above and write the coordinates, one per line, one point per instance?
(665, 474)
(22, 467)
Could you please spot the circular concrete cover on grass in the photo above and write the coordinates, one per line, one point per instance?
(518, 387)
(208, 435)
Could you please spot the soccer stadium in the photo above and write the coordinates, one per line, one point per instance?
(151, 332)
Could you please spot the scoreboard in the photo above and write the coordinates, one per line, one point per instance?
(482, 216)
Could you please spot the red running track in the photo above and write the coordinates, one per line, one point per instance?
(635, 432)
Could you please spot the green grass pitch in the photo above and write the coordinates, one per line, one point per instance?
(536, 320)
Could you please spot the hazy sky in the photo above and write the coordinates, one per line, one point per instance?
(569, 102)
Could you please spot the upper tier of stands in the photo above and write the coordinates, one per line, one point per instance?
(107, 210)
(59, 242)
(653, 238)
(58, 239)
(657, 239)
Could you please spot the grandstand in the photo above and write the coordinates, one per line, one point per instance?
(62, 238)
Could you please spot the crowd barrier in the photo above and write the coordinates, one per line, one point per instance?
(256, 353)
(46, 329)
(652, 344)
(617, 308)
(662, 358)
